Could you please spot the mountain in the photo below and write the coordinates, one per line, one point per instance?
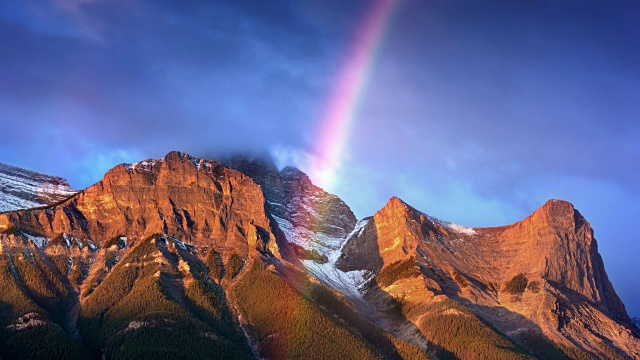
(178, 246)
(540, 279)
(188, 257)
(23, 189)
(198, 201)
(312, 222)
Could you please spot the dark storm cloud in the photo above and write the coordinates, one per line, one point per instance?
(189, 75)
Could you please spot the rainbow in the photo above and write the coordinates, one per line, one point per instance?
(335, 123)
(342, 105)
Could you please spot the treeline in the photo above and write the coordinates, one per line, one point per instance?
(41, 342)
(39, 283)
(13, 302)
(142, 310)
(543, 348)
(37, 342)
(397, 270)
(288, 326)
(390, 346)
(459, 334)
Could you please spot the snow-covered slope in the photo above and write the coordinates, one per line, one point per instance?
(314, 222)
(310, 218)
(23, 189)
(350, 283)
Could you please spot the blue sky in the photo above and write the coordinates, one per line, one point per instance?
(474, 111)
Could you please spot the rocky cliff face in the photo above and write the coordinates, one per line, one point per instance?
(540, 276)
(198, 201)
(556, 245)
(23, 189)
(313, 221)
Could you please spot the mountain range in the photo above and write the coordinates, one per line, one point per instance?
(193, 258)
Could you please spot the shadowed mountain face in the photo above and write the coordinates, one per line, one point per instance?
(185, 257)
(313, 222)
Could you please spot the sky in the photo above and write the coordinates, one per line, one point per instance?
(476, 112)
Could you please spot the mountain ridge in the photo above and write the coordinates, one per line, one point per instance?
(475, 267)
(191, 227)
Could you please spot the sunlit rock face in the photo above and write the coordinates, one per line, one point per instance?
(24, 189)
(566, 295)
(198, 201)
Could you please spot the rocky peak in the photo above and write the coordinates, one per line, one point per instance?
(264, 172)
(196, 200)
(553, 248)
(290, 173)
(559, 214)
(400, 232)
(557, 245)
(259, 167)
(306, 216)
(395, 207)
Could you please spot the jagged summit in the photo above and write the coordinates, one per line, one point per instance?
(553, 248)
(294, 174)
(23, 189)
(176, 158)
(400, 206)
(196, 200)
(313, 222)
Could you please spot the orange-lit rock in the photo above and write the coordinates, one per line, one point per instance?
(197, 201)
(571, 302)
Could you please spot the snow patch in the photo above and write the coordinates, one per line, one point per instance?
(349, 283)
(91, 245)
(461, 229)
(39, 241)
(308, 239)
(183, 245)
(66, 240)
(145, 165)
(359, 228)
(123, 242)
(24, 189)
(451, 226)
(179, 244)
